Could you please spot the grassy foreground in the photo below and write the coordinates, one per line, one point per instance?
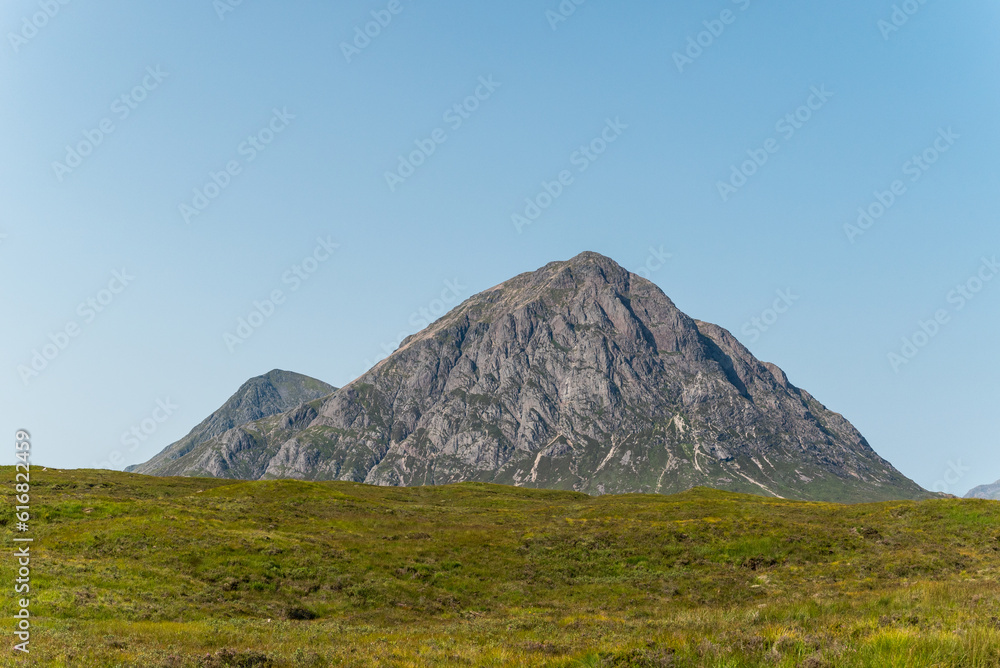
(129, 570)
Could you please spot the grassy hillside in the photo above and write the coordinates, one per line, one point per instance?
(137, 571)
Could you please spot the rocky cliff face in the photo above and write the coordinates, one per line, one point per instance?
(985, 492)
(577, 376)
(272, 393)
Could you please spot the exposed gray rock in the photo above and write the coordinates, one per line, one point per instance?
(577, 376)
(273, 393)
(985, 492)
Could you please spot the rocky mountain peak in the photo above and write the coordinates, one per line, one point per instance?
(579, 375)
(270, 394)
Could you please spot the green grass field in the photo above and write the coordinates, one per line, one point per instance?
(135, 571)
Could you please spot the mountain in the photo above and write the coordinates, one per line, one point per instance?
(578, 376)
(260, 397)
(985, 492)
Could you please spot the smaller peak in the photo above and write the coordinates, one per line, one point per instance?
(275, 378)
(280, 377)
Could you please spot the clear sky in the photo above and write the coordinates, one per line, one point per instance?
(167, 165)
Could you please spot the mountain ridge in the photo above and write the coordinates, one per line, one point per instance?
(261, 396)
(990, 492)
(579, 375)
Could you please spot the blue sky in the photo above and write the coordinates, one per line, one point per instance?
(259, 119)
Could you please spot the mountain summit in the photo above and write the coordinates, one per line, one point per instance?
(580, 376)
(275, 392)
(991, 492)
